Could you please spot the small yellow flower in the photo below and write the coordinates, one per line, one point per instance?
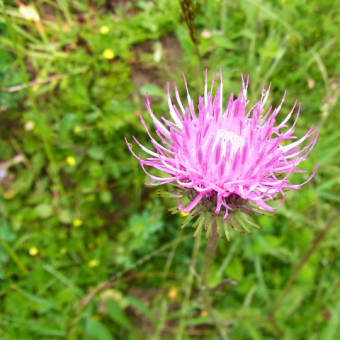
(77, 222)
(33, 251)
(184, 214)
(93, 263)
(172, 293)
(63, 251)
(29, 12)
(77, 129)
(104, 30)
(108, 54)
(71, 161)
(204, 313)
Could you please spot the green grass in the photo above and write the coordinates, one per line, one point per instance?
(86, 250)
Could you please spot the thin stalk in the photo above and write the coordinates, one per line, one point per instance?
(164, 304)
(210, 254)
(170, 260)
(304, 260)
(223, 26)
(188, 287)
(64, 5)
(162, 320)
(189, 12)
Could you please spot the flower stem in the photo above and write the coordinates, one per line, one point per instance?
(188, 287)
(209, 254)
(208, 261)
(189, 9)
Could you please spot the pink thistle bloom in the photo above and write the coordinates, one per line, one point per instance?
(226, 156)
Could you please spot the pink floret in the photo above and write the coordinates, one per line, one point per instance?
(226, 152)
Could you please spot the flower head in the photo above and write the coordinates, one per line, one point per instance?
(93, 263)
(77, 222)
(173, 293)
(226, 157)
(104, 30)
(33, 251)
(70, 160)
(108, 54)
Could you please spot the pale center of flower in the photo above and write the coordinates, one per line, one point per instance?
(224, 136)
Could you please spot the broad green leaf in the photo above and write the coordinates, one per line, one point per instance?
(96, 330)
(117, 314)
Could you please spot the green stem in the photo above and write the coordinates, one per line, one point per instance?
(189, 12)
(162, 321)
(188, 286)
(209, 254)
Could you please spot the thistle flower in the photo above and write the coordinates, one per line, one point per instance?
(226, 158)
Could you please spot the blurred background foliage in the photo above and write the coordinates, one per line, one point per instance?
(86, 250)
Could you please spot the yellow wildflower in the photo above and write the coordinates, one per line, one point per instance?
(108, 54)
(172, 293)
(104, 30)
(93, 263)
(33, 251)
(184, 214)
(77, 129)
(77, 222)
(70, 160)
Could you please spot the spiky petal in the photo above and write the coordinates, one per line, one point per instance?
(226, 153)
